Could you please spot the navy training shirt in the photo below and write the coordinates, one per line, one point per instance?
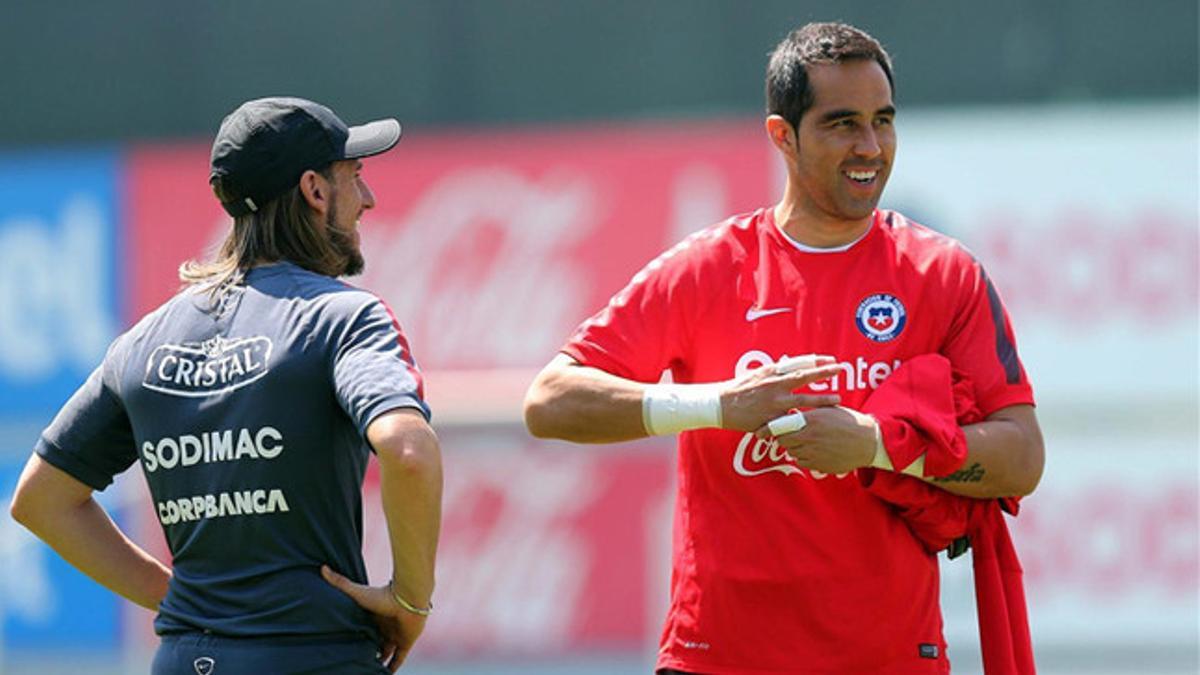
(249, 421)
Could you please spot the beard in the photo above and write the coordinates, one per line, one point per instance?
(345, 246)
(343, 243)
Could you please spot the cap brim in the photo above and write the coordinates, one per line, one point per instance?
(372, 138)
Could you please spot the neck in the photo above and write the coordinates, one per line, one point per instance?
(805, 223)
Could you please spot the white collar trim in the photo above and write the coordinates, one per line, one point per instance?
(813, 249)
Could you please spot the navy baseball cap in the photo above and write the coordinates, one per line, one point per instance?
(264, 146)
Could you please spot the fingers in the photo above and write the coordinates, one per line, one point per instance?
(357, 592)
(802, 378)
(772, 390)
(398, 659)
(387, 654)
(395, 658)
(378, 601)
(815, 400)
(336, 580)
(796, 419)
(392, 656)
(805, 362)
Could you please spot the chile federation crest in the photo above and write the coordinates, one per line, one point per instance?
(880, 317)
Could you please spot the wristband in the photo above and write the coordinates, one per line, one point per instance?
(883, 461)
(406, 605)
(917, 468)
(671, 408)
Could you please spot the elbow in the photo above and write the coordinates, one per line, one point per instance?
(1030, 469)
(542, 408)
(24, 509)
(419, 457)
(1028, 481)
(45, 496)
(538, 413)
(18, 510)
(415, 464)
(1019, 442)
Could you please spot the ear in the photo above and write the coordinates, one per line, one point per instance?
(782, 135)
(316, 191)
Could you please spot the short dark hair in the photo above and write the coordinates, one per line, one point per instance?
(789, 92)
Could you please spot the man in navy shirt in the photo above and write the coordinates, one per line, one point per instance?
(251, 400)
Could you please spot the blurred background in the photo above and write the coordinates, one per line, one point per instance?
(550, 150)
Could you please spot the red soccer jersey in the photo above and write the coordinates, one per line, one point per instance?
(776, 568)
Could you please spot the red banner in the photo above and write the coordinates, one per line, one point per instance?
(545, 548)
(549, 549)
(492, 247)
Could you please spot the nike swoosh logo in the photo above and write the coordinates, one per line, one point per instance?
(753, 314)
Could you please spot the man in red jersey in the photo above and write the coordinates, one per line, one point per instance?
(783, 562)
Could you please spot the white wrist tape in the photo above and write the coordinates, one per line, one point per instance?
(671, 408)
(883, 461)
(917, 468)
(787, 424)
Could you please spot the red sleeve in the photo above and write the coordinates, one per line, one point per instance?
(643, 329)
(981, 344)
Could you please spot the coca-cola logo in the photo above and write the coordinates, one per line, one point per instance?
(480, 269)
(757, 456)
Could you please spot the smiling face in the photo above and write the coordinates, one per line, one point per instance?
(846, 143)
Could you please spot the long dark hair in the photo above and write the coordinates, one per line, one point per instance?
(285, 228)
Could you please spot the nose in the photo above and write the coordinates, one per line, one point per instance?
(368, 197)
(867, 144)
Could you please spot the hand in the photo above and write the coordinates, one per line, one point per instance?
(399, 627)
(835, 440)
(764, 394)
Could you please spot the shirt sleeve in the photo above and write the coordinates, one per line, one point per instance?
(644, 328)
(91, 438)
(981, 343)
(373, 370)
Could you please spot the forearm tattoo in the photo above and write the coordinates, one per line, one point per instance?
(970, 474)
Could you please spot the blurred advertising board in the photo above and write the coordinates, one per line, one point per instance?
(1094, 247)
(1109, 547)
(60, 306)
(549, 549)
(492, 246)
(545, 550)
(45, 604)
(60, 234)
(489, 247)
